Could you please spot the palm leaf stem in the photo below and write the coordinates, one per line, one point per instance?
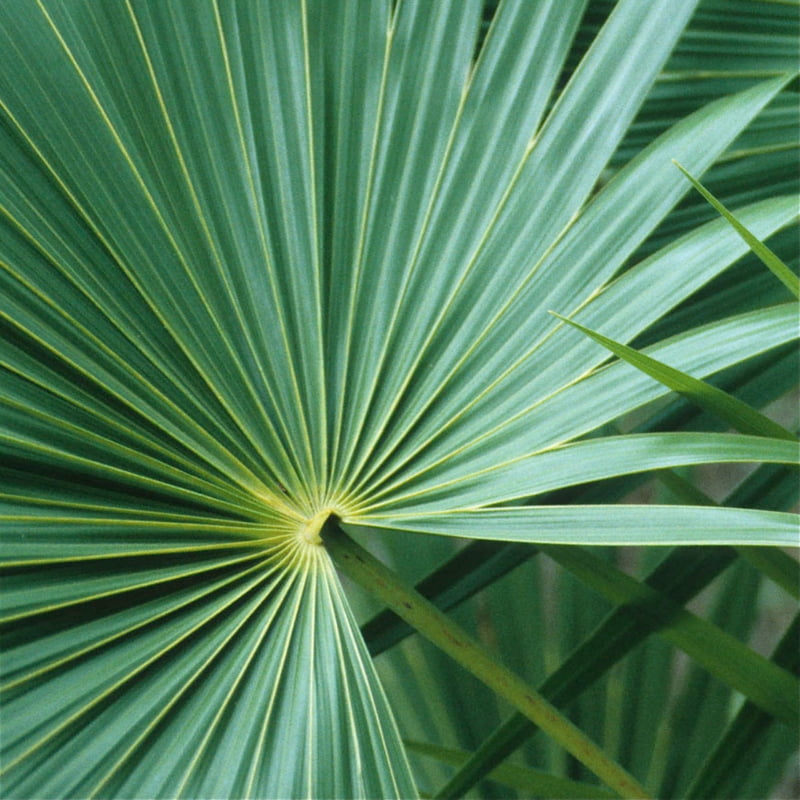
(432, 623)
(478, 565)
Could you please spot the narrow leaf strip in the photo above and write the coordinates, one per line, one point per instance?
(728, 408)
(377, 579)
(768, 258)
(579, 462)
(602, 525)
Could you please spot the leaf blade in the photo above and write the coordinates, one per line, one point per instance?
(768, 258)
(727, 407)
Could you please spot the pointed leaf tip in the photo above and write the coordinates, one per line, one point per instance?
(770, 260)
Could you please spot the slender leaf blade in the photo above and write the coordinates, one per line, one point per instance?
(729, 408)
(602, 525)
(768, 258)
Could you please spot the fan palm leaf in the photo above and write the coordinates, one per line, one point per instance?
(267, 264)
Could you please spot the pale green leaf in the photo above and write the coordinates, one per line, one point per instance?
(157, 694)
(582, 462)
(602, 525)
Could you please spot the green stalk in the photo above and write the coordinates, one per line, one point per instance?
(437, 627)
(529, 782)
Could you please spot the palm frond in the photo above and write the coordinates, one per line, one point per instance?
(264, 265)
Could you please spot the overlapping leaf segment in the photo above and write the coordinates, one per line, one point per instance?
(266, 262)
